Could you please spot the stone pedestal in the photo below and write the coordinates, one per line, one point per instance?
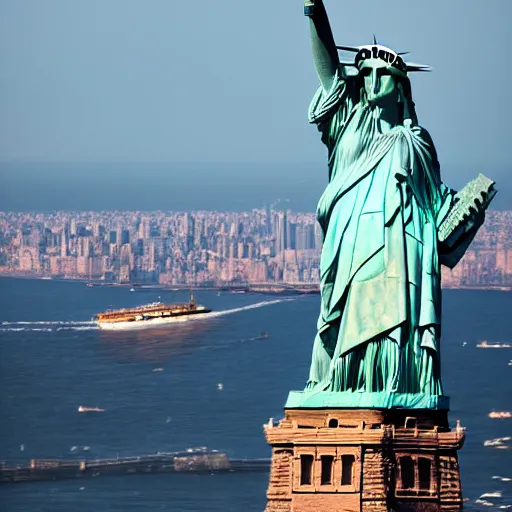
(329, 460)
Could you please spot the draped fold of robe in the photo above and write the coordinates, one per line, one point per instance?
(379, 323)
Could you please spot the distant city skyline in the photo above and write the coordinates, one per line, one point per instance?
(260, 247)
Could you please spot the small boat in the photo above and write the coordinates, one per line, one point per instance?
(132, 289)
(80, 448)
(491, 495)
(484, 344)
(500, 414)
(499, 442)
(82, 408)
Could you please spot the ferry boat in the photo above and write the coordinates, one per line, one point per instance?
(150, 315)
(484, 344)
(500, 414)
(82, 408)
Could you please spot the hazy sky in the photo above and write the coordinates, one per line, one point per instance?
(225, 83)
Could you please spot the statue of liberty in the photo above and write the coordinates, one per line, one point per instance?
(381, 215)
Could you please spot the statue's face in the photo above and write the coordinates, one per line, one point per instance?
(379, 81)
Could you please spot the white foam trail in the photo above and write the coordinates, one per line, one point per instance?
(78, 328)
(52, 322)
(49, 329)
(246, 308)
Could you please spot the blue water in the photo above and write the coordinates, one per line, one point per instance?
(48, 369)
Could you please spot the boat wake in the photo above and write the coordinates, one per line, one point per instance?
(68, 325)
(51, 322)
(216, 314)
(48, 326)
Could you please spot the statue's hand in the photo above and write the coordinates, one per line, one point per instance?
(309, 7)
(477, 212)
(476, 216)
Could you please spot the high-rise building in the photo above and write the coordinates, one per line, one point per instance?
(64, 242)
(280, 232)
(98, 230)
(319, 237)
(125, 237)
(145, 228)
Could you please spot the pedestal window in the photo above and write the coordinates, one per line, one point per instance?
(327, 463)
(424, 473)
(347, 469)
(407, 473)
(414, 476)
(306, 469)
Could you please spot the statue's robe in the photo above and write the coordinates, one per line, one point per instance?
(379, 323)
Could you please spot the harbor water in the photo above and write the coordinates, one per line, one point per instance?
(211, 382)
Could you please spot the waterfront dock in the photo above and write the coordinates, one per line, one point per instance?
(175, 462)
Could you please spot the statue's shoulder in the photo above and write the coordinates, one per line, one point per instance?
(337, 102)
(351, 82)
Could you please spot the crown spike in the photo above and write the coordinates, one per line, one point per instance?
(413, 66)
(375, 39)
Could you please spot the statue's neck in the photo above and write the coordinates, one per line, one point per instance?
(386, 117)
(387, 112)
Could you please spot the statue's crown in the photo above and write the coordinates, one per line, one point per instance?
(378, 51)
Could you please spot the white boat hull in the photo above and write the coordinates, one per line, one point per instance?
(153, 322)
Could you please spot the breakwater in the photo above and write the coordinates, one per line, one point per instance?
(175, 462)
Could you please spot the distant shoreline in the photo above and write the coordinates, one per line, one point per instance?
(268, 288)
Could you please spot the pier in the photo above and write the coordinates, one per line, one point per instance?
(195, 461)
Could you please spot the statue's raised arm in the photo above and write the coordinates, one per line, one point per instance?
(325, 54)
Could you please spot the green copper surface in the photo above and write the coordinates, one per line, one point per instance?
(378, 332)
(377, 400)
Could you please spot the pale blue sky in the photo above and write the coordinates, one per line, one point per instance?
(228, 82)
